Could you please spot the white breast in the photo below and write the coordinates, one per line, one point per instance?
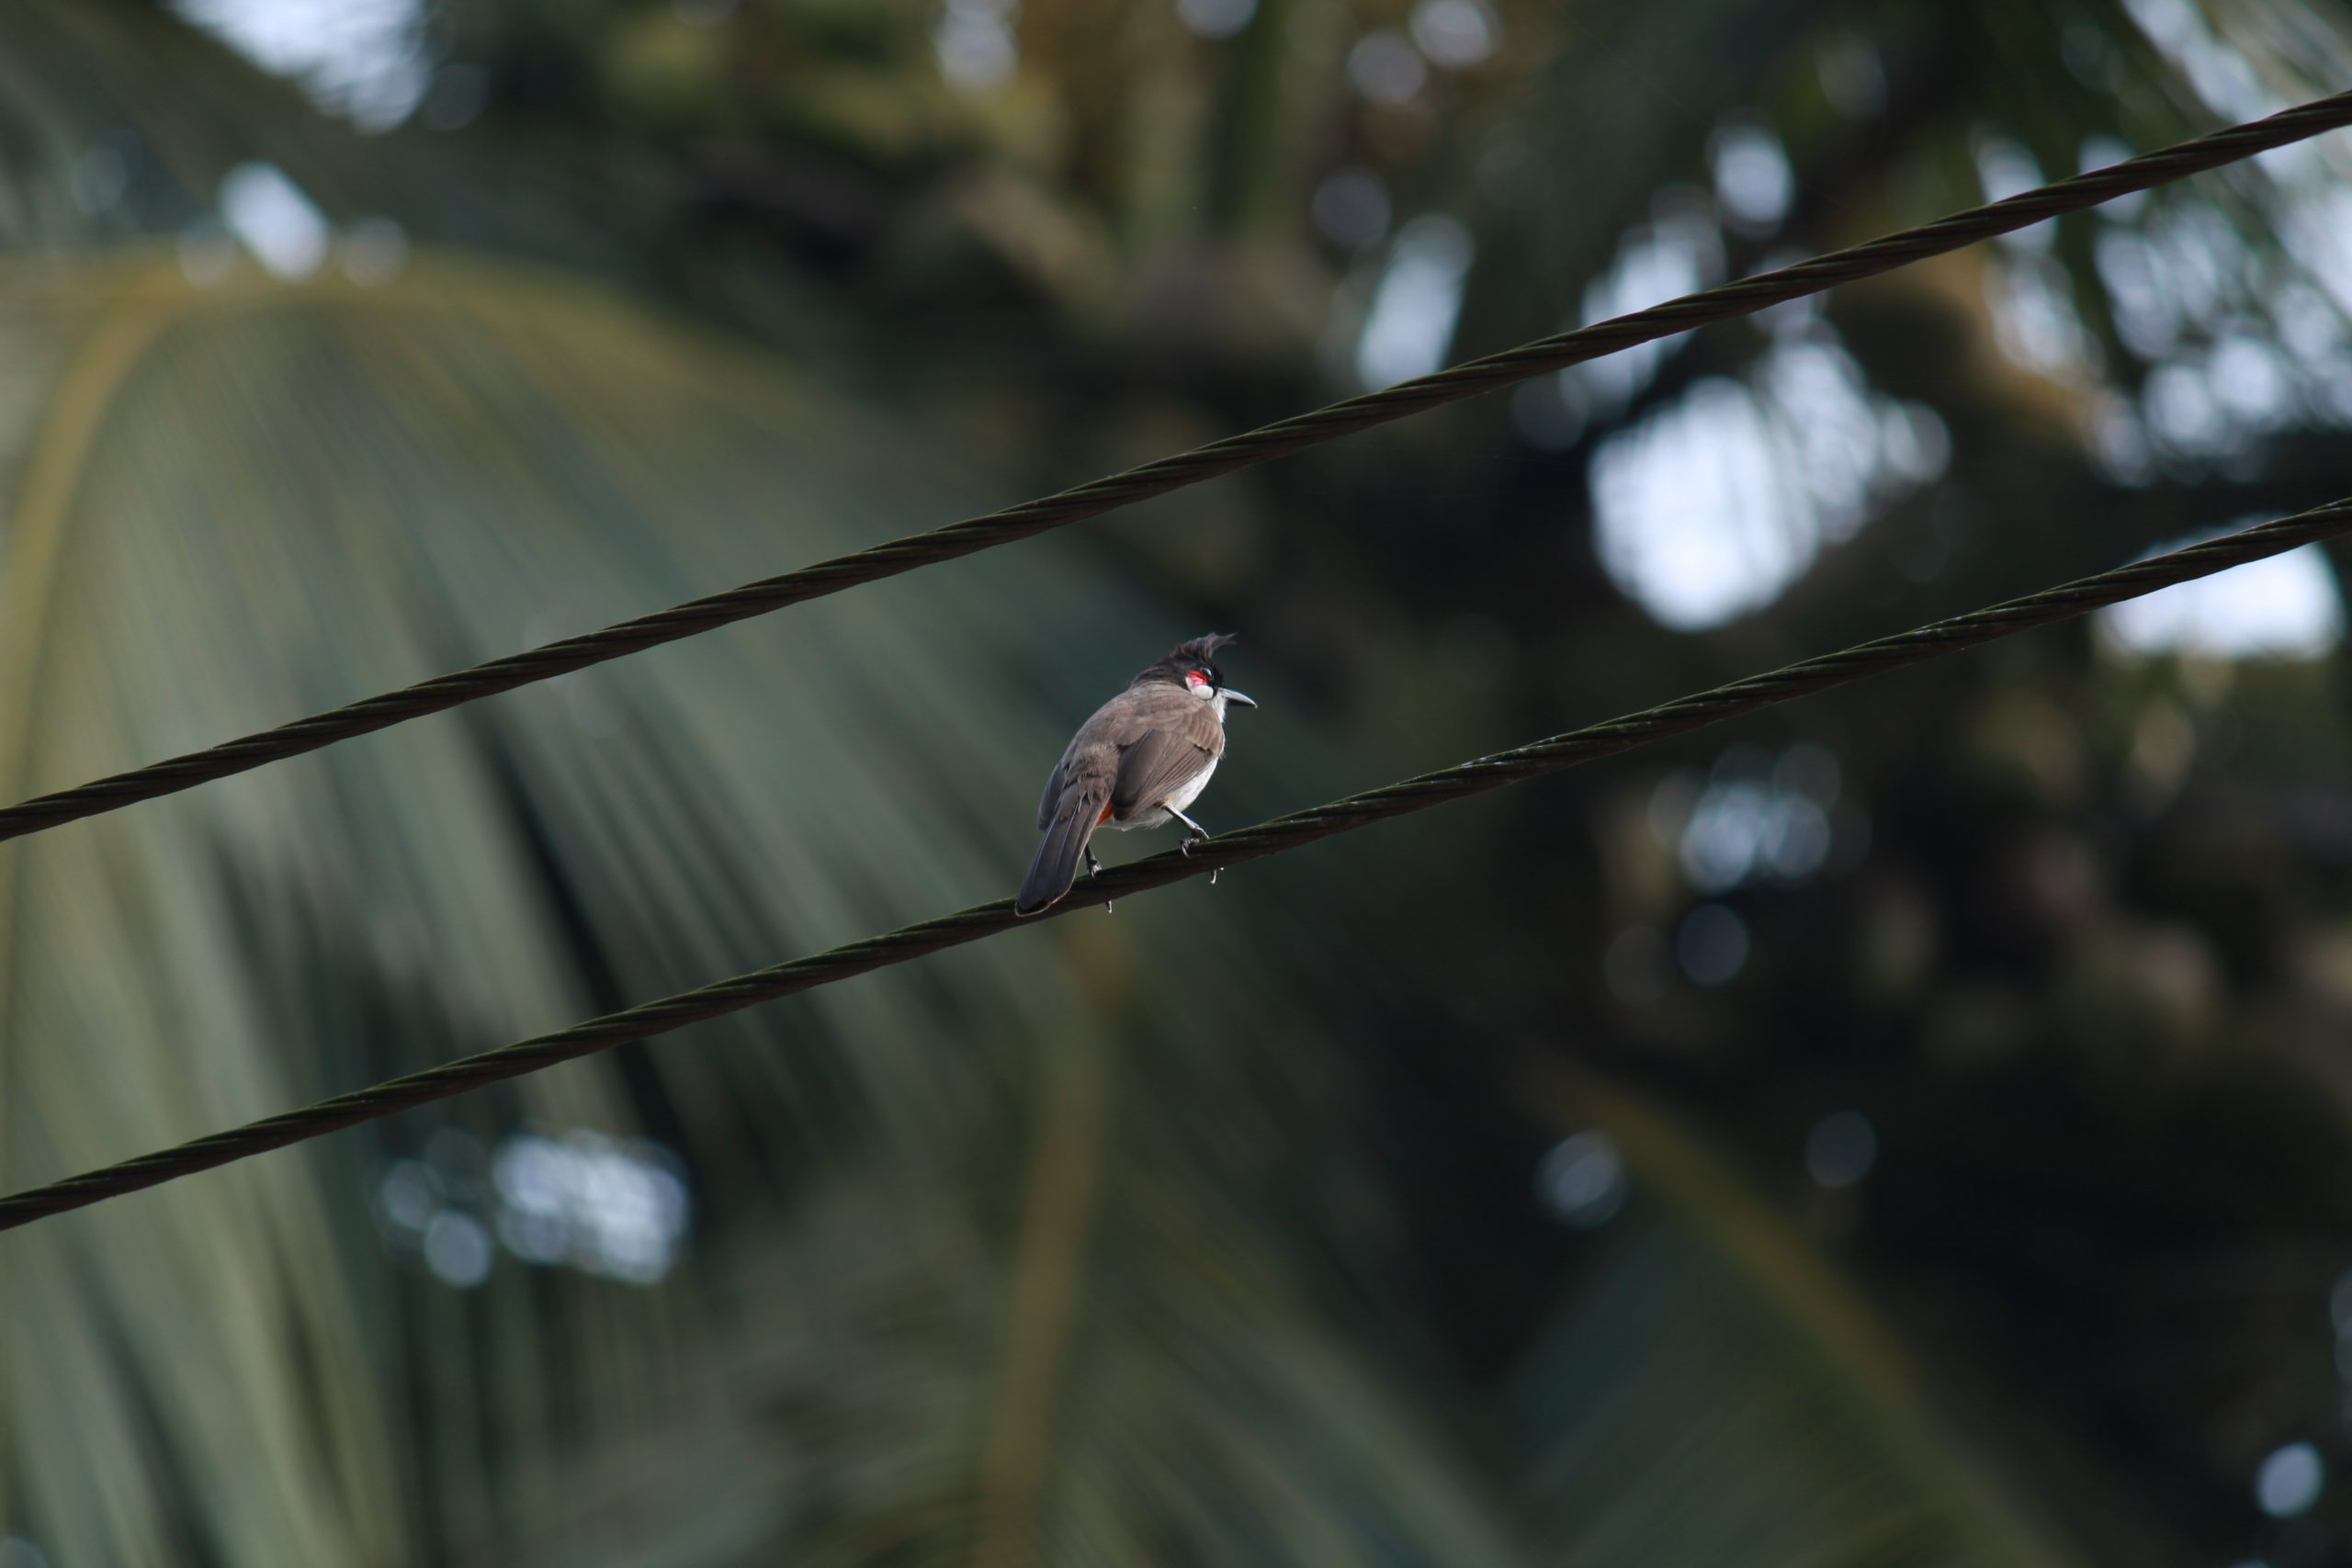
(1181, 798)
(1156, 814)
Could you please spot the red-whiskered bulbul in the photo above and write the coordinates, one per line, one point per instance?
(1145, 756)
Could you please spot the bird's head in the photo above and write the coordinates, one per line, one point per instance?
(1192, 665)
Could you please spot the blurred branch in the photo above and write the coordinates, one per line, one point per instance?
(1065, 1182)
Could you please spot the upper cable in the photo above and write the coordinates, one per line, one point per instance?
(1725, 302)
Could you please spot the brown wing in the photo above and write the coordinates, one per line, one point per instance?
(1076, 794)
(1163, 741)
(1090, 763)
(1046, 802)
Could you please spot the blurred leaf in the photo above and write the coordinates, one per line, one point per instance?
(1712, 1394)
(244, 501)
(1133, 1375)
(973, 1272)
(1109, 1241)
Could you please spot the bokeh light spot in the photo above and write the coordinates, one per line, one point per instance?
(1752, 176)
(1709, 506)
(1386, 69)
(975, 44)
(1755, 818)
(1712, 944)
(1411, 324)
(456, 1249)
(1841, 1148)
(1455, 33)
(1582, 1180)
(2288, 606)
(609, 1208)
(409, 1195)
(364, 59)
(1215, 18)
(1853, 78)
(271, 216)
(2290, 1480)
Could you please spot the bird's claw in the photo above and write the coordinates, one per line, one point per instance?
(1186, 848)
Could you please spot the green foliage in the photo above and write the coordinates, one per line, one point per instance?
(240, 503)
(1204, 1231)
(987, 1257)
(1712, 1394)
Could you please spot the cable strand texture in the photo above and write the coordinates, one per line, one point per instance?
(1402, 798)
(1740, 298)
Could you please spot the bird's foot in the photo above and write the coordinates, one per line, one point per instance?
(1186, 848)
(1193, 834)
(1106, 906)
(1093, 866)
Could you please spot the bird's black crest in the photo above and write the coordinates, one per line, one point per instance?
(1198, 654)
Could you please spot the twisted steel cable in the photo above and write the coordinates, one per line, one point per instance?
(1344, 816)
(1741, 298)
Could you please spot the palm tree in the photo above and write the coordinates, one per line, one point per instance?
(1255, 1224)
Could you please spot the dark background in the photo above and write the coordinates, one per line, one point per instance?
(1909, 1126)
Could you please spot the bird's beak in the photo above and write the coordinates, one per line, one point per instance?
(1244, 698)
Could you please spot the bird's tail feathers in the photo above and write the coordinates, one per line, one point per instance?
(1055, 867)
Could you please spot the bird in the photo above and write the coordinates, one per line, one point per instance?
(1143, 758)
